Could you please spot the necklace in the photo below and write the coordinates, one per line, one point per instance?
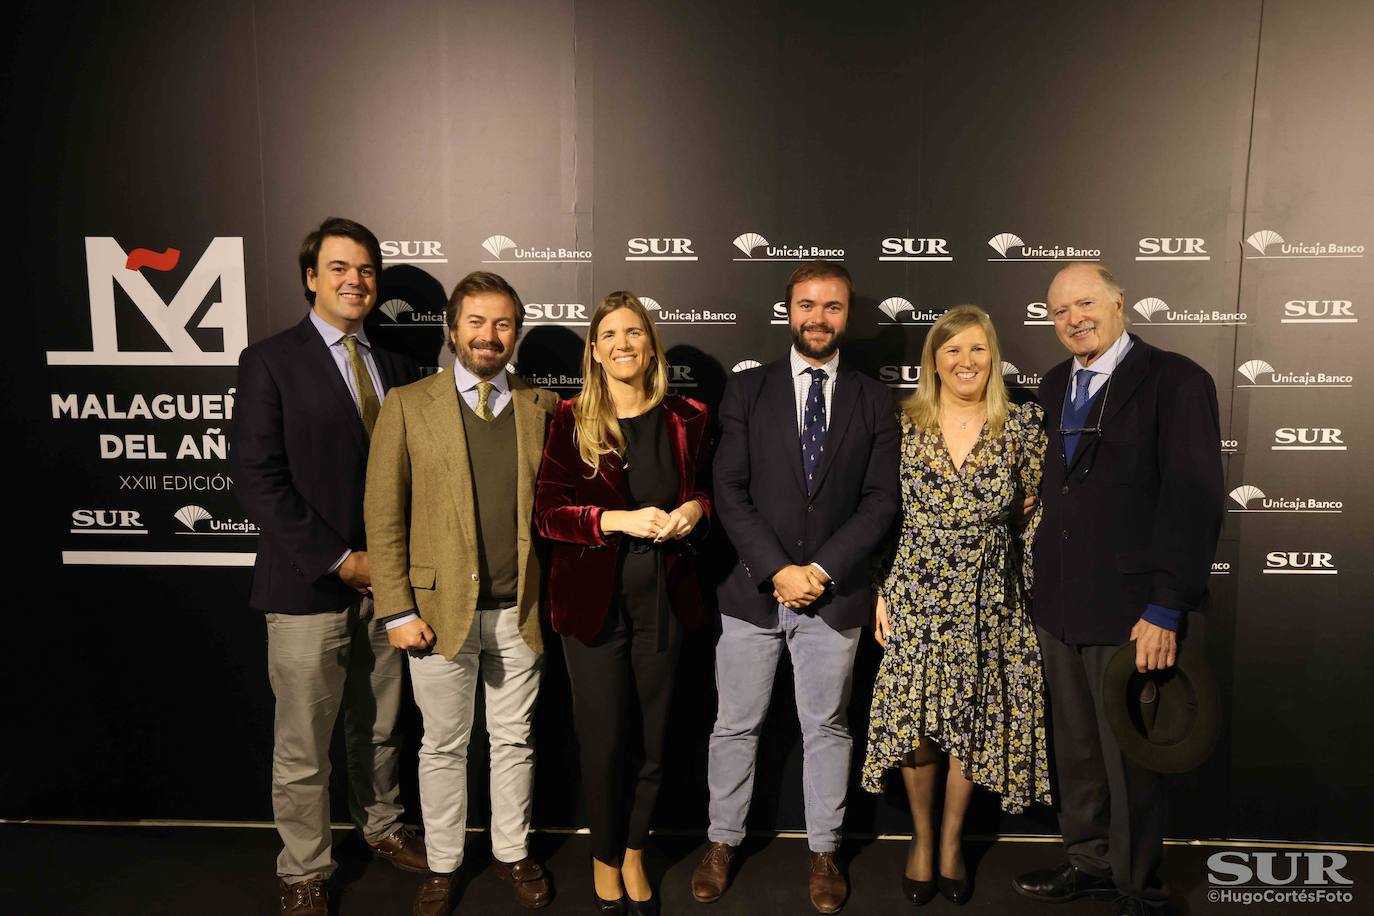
(963, 424)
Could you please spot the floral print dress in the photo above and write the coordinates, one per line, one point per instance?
(962, 665)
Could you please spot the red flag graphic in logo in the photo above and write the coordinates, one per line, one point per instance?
(146, 257)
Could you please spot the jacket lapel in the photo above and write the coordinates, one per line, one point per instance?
(843, 402)
(1126, 378)
(677, 432)
(315, 354)
(779, 404)
(445, 423)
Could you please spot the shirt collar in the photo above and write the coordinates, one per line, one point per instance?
(800, 365)
(466, 381)
(332, 335)
(1108, 361)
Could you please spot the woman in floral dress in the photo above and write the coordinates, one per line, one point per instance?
(960, 679)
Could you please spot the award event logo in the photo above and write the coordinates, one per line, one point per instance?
(107, 521)
(1157, 312)
(1010, 247)
(900, 376)
(221, 329)
(1268, 244)
(1037, 315)
(1172, 249)
(504, 250)
(191, 517)
(1299, 563)
(560, 314)
(750, 243)
(1308, 439)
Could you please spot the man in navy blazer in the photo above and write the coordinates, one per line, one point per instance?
(304, 408)
(806, 487)
(1132, 496)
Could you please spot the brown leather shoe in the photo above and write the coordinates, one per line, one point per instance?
(404, 848)
(828, 887)
(527, 880)
(304, 898)
(435, 896)
(712, 875)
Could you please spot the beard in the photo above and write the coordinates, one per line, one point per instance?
(481, 361)
(822, 351)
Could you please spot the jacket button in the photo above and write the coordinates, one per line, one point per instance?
(1065, 490)
(809, 508)
(799, 543)
(1064, 534)
(474, 577)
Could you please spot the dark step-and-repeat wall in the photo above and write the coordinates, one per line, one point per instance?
(169, 157)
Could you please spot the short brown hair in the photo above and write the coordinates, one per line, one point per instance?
(475, 283)
(819, 270)
(343, 228)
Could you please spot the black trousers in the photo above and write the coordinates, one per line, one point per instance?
(1111, 811)
(622, 686)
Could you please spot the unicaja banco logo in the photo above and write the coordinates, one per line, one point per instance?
(221, 332)
(504, 250)
(1018, 379)
(1011, 247)
(401, 313)
(901, 311)
(1151, 308)
(1266, 243)
(749, 244)
(1262, 375)
(1245, 497)
(663, 314)
(191, 517)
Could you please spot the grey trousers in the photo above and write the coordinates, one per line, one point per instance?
(1111, 811)
(746, 662)
(496, 656)
(319, 664)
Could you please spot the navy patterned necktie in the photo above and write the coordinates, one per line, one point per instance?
(813, 426)
(1077, 413)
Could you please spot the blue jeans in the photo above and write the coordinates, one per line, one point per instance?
(746, 662)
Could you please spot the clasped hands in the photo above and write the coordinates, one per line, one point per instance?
(652, 523)
(797, 586)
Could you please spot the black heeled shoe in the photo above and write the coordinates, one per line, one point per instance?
(956, 890)
(643, 907)
(918, 893)
(609, 907)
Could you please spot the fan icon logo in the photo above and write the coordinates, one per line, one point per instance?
(191, 516)
(745, 364)
(1149, 308)
(1011, 247)
(1266, 243)
(1015, 378)
(750, 242)
(401, 313)
(666, 315)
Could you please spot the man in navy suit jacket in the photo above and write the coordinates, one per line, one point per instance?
(304, 409)
(806, 487)
(1132, 495)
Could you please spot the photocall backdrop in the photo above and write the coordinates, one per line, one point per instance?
(171, 156)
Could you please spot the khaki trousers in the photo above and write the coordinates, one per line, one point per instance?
(319, 664)
(495, 655)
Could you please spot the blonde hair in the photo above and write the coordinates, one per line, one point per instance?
(923, 407)
(596, 428)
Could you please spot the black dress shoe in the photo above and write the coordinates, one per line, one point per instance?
(609, 907)
(956, 890)
(1063, 882)
(919, 893)
(643, 907)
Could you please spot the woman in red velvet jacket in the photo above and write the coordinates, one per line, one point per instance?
(620, 490)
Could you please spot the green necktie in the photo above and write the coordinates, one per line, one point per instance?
(368, 405)
(484, 400)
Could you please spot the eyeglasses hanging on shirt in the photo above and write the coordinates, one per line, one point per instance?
(1068, 436)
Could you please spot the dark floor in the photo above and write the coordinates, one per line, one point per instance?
(136, 870)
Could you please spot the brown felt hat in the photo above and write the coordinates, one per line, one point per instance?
(1168, 720)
